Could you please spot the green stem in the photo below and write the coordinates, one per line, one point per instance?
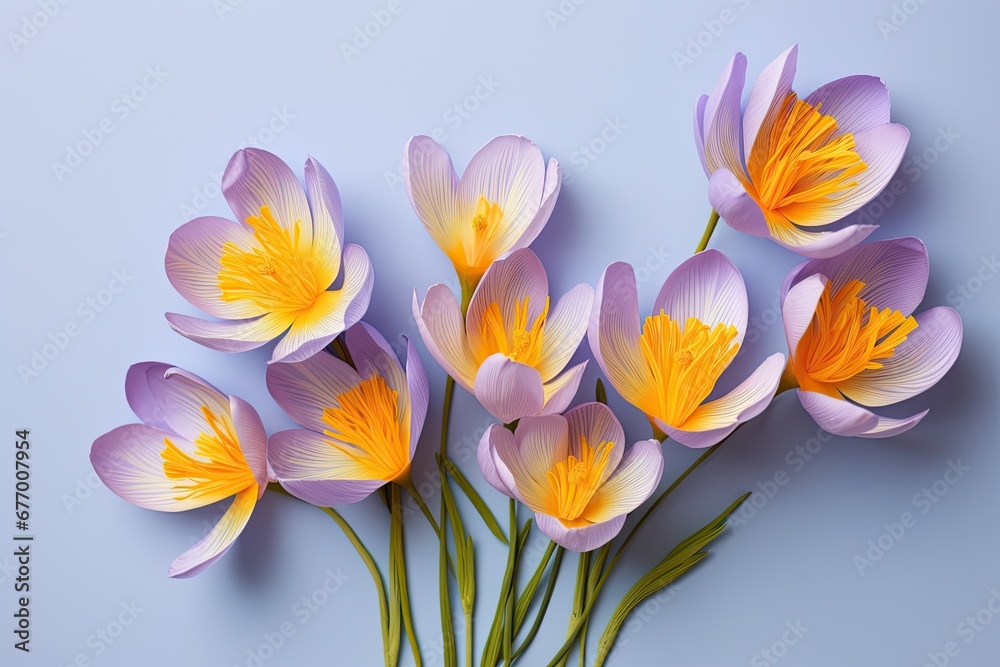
(508, 625)
(546, 596)
(397, 559)
(444, 595)
(366, 557)
(468, 639)
(713, 220)
(656, 503)
(576, 623)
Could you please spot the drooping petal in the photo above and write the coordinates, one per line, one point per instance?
(129, 461)
(837, 416)
(333, 312)
(582, 539)
(328, 221)
(539, 442)
(631, 484)
(699, 130)
(553, 183)
(218, 541)
(714, 420)
(709, 287)
(798, 308)
(596, 424)
(723, 126)
(509, 390)
(495, 470)
(510, 171)
(432, 186)
(820, 245)
(614, 340)
(507, 283)
(768, 95)
(306, 389)
(420, 393)
(564, 329)
(856, 102)
(729, 197)
(888, 427)
(252, 438)
(894, 271)
(318, 469)
(231, 335)
(193, 264)
(559, 392)
(916, 364)
(882, 148)
(255, 178)
(442, 328)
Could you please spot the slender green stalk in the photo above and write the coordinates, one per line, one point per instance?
(524, 600)
(447, 628)
(508, 625)
(576, 623)
(412, 490)
(713, 220)
(366, 558)
(397, 565)
(494, 640)
(540, 614)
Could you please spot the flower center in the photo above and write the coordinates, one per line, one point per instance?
(487, 216)
(685, 363)
(798, 164)
(278, 275)
(575, 481)
(846, 336)
(217, 469)
(523, 343)
(367, 420)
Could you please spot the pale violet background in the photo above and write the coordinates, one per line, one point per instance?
(569, 76)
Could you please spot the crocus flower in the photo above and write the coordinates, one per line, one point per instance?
(787, 166)
(853, 342)
(510, 349)
(501, 203)
(272, 270)
(573, 472)
(361, 422)
(194, 447)
(668, 365)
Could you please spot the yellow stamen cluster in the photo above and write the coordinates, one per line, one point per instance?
(523, 343)
(574, 482)
(847, 336)
(367, 420)
(799, 161)
(217, 469)
(685, 363)
(279, 274)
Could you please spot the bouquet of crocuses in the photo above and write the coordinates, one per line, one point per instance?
(783, 168)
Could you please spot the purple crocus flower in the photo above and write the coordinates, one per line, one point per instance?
(785, 167)
(194, 447)
(272, 270)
